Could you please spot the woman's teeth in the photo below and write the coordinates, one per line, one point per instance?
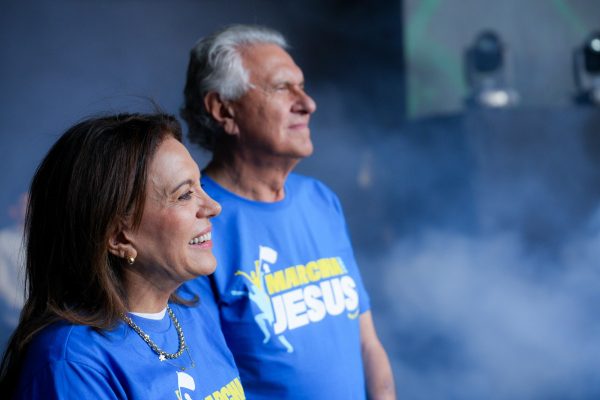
(201, 238)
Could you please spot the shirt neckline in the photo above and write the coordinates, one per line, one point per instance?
(151, 316)
(207, 180)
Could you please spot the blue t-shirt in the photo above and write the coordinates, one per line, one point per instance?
(67, 361)
(288, 293)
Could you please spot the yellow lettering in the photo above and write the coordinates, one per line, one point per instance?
(325, 267)
(301, 271)
(217, 396)
(291, 279)
(298, 275)
(336, 268)
(240, 389)
(235, 390)
(225, 393)
(312, 270)
(275, 282)
(232, 389)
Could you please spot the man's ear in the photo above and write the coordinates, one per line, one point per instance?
(119, 242)
(222, 112)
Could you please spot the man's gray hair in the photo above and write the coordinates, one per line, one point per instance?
(216, 66)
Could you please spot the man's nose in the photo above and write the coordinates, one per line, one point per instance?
(305, 103)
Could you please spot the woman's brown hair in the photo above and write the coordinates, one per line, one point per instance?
(91, 179)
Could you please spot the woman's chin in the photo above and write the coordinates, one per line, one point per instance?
(208, 267)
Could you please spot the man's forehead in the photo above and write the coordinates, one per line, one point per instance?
(265, 55)
(269, 61)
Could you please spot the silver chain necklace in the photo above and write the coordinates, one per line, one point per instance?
(162, 355)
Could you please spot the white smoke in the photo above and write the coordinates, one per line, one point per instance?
(482, 322)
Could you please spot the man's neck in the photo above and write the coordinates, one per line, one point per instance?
(258, 181)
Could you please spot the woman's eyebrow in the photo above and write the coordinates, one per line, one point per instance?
(186, 182)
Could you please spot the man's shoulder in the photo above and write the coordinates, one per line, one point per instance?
(299, 179)
(308, 183)
(310, 190)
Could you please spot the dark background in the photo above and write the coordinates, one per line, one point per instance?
(477, 231)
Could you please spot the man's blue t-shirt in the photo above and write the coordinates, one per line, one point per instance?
(67, 361)
(288, 293)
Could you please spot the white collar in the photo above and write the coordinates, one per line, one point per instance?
(155, 316)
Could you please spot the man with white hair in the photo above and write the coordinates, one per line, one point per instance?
(287, 289)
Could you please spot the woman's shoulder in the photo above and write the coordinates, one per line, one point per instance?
(66, 358)
(72, 343)
(51, 343)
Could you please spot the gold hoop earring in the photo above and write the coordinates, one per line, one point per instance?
(130, 260)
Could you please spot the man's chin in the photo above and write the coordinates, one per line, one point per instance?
(306, 148)
(304, 152)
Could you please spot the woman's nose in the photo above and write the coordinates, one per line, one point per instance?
(209, 208)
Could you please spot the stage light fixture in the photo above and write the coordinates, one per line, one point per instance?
(486, 73)
(587, 70)
(591, 54)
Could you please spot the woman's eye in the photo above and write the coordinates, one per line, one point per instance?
(186, 196)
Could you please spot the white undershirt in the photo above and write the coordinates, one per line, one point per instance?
(156, 316)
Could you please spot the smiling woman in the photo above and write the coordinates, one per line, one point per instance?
(172, 242)
(116, 222)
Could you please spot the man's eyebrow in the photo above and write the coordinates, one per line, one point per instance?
(186, 182)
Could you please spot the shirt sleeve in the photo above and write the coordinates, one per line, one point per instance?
(365, 301)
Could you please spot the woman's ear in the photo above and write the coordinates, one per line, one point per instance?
(222, 112)
(119, 243)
